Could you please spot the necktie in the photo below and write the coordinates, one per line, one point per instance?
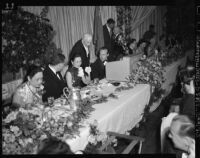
(110, 33)
(59, 75)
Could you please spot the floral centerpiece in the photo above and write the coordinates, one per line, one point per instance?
(23, 129)
(149, 71)
(120, 40)
(21, 133)
(96, 139)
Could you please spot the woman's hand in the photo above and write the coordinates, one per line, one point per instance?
(88, 69)
(80, 72)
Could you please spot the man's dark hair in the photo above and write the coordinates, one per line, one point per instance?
(141, 41)
(57, 59)
(110, 21)
(151, 26)
(102, 48)
(131, 41)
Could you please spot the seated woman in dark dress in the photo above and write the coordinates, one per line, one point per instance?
(132, 46)
(75, 75)
(141, 46)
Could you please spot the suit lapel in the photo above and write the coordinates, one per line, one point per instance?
(51, 73)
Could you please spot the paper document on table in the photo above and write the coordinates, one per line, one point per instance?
(118, 70)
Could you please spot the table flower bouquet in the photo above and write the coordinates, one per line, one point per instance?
(96, 139)
(21, 133)
(23, 129)
(149, 71)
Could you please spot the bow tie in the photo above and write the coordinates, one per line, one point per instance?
(58, 75)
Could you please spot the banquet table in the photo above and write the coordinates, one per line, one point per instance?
(124, 113)
(117, 115)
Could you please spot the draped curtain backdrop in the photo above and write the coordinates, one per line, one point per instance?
(71, 22)
(143, 16)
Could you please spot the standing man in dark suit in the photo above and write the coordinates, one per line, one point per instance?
(107, 34)
(53, 80)
(81, 48)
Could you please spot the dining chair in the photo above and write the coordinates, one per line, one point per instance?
(134, 140)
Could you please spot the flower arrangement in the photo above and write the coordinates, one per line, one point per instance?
(20, 132)
(122, 42)
(23, 129)
(148, 71)
(97, 139)
(26, 37)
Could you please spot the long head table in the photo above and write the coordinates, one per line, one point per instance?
(117, 115)
(124, 113)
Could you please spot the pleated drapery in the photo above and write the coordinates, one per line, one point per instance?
(155, 16)
(71, 22)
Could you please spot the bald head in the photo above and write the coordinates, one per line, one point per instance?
(116, 30)
(87, 39)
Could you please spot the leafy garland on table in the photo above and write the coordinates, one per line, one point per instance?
(25, 38)
(23, 129)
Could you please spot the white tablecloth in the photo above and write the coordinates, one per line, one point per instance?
(117, 115)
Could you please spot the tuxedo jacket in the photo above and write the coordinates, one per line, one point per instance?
(53, 86)
(107, 39)
(98, 70)
(79, 49)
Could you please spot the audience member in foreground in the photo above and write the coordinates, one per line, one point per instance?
(27, 93)
(53, 146)
(182, 134)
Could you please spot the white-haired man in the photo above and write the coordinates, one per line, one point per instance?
(81, 47)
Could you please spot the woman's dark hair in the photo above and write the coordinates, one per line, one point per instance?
(53, 145)
(73, 58)
(32, 70)
(141, 41)
(131, 41)
(57, 59)
(187, 127)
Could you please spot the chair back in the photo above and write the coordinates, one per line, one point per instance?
(108, 149)
(164, 128)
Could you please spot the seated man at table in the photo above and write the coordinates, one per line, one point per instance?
(98, 67)
(53, 80)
